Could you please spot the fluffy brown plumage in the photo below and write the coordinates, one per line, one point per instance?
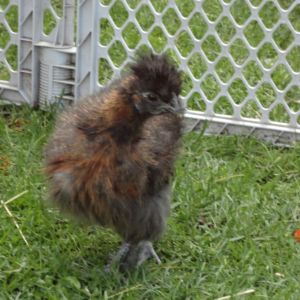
(111, 156)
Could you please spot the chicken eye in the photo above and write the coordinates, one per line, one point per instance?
(152, 97)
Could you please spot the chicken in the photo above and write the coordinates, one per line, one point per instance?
(111, 156)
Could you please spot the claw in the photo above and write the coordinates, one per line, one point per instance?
(131, 256)
(155, 256)
(146, 251)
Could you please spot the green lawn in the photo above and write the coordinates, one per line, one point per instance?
(235, 202)
(235, 206)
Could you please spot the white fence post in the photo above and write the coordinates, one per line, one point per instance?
(87, 48)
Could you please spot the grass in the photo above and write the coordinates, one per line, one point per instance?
(235, 203)
(235, 206)
(252, 70)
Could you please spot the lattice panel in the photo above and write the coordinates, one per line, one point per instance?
(28, 27)
(9, 33)
(8, 42)
(52, 12)
(240, 58)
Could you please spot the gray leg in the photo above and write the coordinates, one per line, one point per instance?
(147, 225)
(118, 257)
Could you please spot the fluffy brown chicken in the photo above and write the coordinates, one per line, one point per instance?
(111, 156)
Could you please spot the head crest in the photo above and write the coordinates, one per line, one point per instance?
(157, 71)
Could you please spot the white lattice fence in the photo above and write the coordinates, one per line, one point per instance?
(241, 58)
(28, 29)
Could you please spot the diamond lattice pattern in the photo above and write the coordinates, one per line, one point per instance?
(8, 40)
(240, 58)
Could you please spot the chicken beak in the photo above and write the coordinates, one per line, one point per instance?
(177, 104)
